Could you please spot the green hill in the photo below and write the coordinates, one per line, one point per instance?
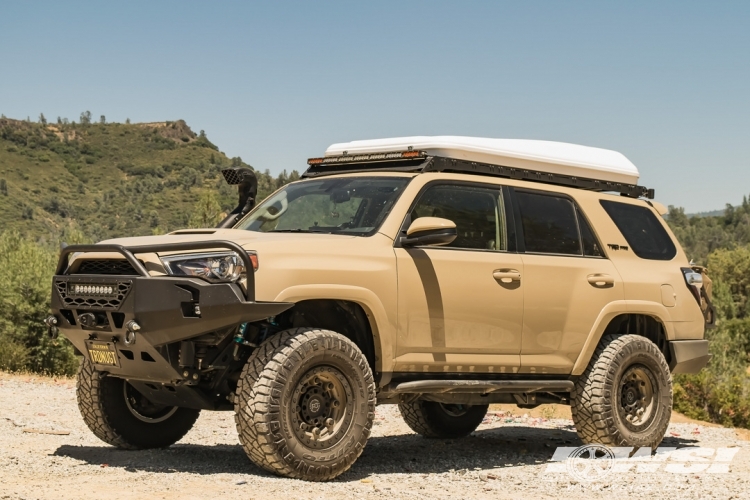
(91, 181)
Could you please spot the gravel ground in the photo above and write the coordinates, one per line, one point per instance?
(47, 452)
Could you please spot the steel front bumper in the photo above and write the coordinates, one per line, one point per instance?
(166, 310)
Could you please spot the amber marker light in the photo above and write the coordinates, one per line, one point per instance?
(254, 259)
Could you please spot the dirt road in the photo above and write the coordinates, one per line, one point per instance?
(47, 452)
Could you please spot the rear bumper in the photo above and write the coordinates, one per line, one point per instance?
(167, 309)
(688, 356)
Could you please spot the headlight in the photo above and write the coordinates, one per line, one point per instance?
(220, 267)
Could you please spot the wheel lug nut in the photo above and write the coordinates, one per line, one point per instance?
(335, 403)
(329, 386)
(329, 422)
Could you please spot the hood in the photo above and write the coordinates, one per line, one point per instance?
(250, 240)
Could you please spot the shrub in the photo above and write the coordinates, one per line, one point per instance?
(720, 393)
(24, 303)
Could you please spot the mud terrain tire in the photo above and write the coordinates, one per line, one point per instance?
(305, 404)
(624, 398)
(114, 420)
(437, 420)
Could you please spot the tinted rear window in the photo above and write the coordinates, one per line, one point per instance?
(642, 230)
(549, 224)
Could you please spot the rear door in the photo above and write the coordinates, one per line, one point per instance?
(567, 280)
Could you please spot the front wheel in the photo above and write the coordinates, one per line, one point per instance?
(440, 420)
(624, 398)
(305, 404)
(121, 416)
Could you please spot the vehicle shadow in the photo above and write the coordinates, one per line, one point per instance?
(400, 454)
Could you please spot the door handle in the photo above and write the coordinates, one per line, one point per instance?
(601, 280)
(506, 275)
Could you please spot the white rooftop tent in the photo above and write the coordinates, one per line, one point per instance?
(542, 156)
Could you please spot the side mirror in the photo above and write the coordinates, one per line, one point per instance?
(430, 231)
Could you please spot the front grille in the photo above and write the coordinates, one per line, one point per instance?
(93, 299)
(119, 267)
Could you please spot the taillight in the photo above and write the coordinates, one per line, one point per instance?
(694, 282)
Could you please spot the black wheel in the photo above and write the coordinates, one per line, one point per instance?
(305, 404)
(121, 416)
(439, 420)
(624, 398)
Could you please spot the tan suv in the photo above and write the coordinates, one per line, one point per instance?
(442, 274)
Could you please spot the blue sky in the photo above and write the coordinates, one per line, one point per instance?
(667, 83)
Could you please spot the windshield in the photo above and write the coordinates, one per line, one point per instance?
(349, 205)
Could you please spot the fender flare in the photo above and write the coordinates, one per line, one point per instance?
(383, 329)
(610, 312)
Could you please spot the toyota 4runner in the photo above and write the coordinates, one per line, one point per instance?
(441, 274)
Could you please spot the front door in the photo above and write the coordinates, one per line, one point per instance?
(567, 281)
(461, 305)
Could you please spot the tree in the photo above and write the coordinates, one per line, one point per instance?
(127, 121)
(86, 118)
(102, 120)
(189, 177)
(207, 211)
(42, 119)
(59, 120)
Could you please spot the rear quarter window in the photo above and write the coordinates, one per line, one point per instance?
(642, 230)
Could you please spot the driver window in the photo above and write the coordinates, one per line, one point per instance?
(479, 214)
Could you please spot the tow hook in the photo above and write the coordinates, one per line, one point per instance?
(52, 330)
(131, 328)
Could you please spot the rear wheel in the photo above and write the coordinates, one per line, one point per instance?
(624, 398)
(305, 404)
(439, 420)
(121, 416)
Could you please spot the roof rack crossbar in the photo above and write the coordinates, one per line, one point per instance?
(339, 165)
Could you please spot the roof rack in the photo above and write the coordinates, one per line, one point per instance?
(421, 162)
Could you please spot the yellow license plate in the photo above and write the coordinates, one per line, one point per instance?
(102, 353)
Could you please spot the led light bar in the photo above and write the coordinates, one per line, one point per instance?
(90, 289)
(368, 158)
